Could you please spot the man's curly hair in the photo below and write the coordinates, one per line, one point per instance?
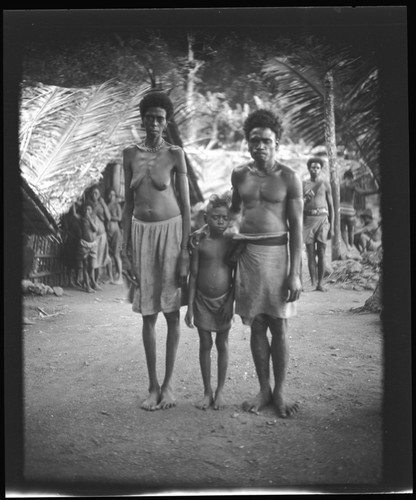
(265, 119)
(156, 99)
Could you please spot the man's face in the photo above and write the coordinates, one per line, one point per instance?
(315, 170)
(217, 219)
(262, 144)
(154, 122)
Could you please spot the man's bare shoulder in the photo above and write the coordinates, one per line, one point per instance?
(240, 171)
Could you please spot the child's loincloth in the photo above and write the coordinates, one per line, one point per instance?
(315, 228)
(261, 282)
(156, 249)
(207, 312)
(87, 249)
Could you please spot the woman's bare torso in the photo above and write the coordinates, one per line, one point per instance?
(152, 181)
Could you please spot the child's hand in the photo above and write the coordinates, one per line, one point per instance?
(189, 319)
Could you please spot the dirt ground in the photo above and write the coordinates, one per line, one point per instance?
(85, 376)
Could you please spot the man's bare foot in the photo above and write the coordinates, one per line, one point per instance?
(321, 288)
(219, 403)
(258, 402)
(167, 400)
(89, 290)
(284, 410)
(205, 402)
(96, 287)
(150, 403)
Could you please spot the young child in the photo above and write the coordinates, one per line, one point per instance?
(211, 297)
(87, 249)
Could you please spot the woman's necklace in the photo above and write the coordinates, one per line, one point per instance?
(151, 150)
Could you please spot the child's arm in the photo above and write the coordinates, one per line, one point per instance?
(189, 317)
(93, 227)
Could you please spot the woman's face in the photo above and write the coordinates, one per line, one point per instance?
(154, 122)
(95, 194)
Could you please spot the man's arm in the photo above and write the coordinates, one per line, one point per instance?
(294, 213)
(236, 202)
(330, 204)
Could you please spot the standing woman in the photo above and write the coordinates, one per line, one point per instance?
(114, 235)
(103, 216)
(156, 226)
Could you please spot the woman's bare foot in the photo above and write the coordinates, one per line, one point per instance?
(321, 288)
(167, 399)
(150, 403)
(205, 402)
(284, 410)
(258, 402)
(219, 403)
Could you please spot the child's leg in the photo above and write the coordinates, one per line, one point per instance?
(205, 346)
(221, 342)
(86, 277)
(92, 273)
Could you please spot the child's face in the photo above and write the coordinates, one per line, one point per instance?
(217, 219)
(88, 210)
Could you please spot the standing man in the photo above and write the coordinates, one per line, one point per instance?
(269, 195)
(156, 225)
(347, 190)
(317, 222)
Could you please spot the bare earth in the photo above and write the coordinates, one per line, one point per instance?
(85, 376)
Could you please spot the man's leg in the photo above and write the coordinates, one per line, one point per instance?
(310, 252)
(205, 346)
(280, 360)
(350, 228)
(260, 350)
(149, 342)
(320, 250)
(167, 399)
(221, 342)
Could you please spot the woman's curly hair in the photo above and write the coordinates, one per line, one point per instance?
(156, 99)
(265, 119)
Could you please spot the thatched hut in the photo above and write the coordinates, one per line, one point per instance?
(72, 138)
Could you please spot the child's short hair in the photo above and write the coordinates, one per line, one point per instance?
(216, 201)
(265, 119)
(85, 206)
(156, 99)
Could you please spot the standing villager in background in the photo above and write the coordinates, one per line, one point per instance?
(115, 238)
(72, 234)
(156, 226)
(347, 190)
(318, 220)
(103, 216)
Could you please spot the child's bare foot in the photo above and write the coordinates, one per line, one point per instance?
(167, 399)
(258, 402)
(283, 409)
(219, 403)
(205, 402)
(150, 402)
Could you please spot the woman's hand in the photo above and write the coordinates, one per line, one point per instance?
(183, 267)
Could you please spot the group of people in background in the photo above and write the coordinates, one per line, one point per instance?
(93, 238)
(245, 260)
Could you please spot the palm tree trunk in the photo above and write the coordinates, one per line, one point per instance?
(331, 147)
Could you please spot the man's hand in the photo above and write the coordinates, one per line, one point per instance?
(189, 318)
(197, 236)
(294, 288)
(183, 267)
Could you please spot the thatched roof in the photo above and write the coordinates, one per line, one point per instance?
(36, 218)
(68, 136)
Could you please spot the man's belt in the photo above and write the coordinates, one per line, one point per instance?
(317, 211)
